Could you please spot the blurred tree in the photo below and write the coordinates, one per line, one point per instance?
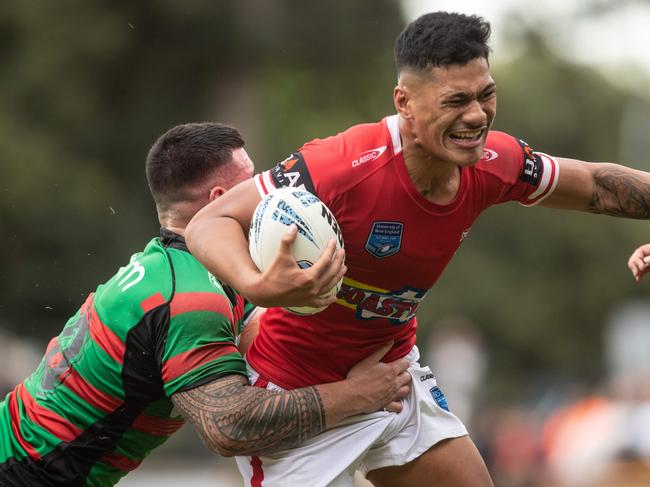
(87, 87)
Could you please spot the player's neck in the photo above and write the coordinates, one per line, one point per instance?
(437, 182)
(177, 230)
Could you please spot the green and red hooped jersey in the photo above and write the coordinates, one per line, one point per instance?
(99, 401)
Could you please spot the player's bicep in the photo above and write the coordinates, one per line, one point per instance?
(575, 188)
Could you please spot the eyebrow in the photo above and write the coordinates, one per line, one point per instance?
(464, 95)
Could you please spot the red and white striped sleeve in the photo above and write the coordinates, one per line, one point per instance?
(518, 172)
(548, 181)
(264, 183)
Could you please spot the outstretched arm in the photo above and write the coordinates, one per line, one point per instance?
(608, 189)
(234, 418)
(216, 236)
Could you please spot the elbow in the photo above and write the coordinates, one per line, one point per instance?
(222, 446)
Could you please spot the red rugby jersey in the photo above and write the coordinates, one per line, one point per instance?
(397, 243)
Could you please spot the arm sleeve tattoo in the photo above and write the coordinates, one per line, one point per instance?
(617, 192)
(234, 418)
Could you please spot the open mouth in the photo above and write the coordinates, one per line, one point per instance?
(466, 137)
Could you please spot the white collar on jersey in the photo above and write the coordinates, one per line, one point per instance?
(392, 123)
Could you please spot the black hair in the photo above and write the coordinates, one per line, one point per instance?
(442, 39)
(186, 155)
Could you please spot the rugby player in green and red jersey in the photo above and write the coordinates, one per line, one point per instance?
(157, 344)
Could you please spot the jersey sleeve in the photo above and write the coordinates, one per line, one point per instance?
(516, 172)
(201, 343)
(315, 167)
(292, 173)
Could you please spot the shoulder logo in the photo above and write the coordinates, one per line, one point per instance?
(369, 155)
(134, 276)
(488, 155)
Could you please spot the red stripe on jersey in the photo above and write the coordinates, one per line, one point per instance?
(186, 302)
(14, 413)
(157, 426)
(238, 312)
(106, 338)
(89, 393)
(186, 361)
(120, 462)
(51, 421)
(258, 473)
(261, 382)
(152, 302)
(264, 188)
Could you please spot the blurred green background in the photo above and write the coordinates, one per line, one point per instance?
(86, 87)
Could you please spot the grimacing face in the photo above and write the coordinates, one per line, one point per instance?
(449, 110)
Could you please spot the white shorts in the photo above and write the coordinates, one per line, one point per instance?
(365, 442)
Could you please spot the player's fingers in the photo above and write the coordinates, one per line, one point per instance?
(323, 300)
(400, 366)
(403, 391)
(378, 354)
(404, 379)
(324, 262)
(634, 266)
(639, 264)
(286, 243)
(336, 272)
(394, 407)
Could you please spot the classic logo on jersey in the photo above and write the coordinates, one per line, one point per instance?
(385, 239)
(532, 170)
(293, 173)
(370, 302)
(369, 155)
(488, 155)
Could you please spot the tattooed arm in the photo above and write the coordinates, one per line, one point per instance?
(605, 188)
(234, 418)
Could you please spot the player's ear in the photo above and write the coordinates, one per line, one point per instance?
(401, 101)
(216, 192)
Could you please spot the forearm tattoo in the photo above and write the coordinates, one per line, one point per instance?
(238, 419)
(620, 193)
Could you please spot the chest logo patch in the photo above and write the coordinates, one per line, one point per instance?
(385, 239)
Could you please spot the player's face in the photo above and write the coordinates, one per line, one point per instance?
(452, 110)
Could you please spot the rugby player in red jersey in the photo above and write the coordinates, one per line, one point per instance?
(157, 345)
(405, 191)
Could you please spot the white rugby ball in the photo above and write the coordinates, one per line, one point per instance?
(316, 226)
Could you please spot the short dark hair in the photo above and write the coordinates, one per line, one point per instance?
(186, 155)
(441, 39)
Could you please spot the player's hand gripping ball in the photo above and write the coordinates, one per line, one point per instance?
(316, 226)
